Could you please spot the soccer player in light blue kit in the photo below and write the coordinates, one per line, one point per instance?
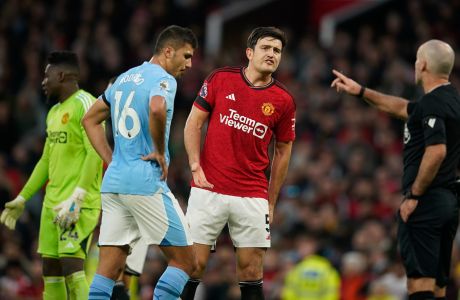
(136, 201)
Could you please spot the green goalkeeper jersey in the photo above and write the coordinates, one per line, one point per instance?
(68, 160)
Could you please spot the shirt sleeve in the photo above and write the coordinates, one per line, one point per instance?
(410, 107)
(39, 175)
(434, 129)
(166, 88)
(92, 163)
(103, 97)
(285, 128)
(205, 99)
(106, 95)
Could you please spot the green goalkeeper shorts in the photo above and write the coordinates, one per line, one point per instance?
(55, 242)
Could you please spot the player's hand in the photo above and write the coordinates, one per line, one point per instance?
(199, 178)
(343, 83)
(68, 211)
(13, 210)
(160, 159)
(407, 208)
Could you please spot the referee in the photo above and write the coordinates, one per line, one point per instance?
(428, 215)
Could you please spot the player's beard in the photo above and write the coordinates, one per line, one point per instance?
(266, 69)
(52, 98)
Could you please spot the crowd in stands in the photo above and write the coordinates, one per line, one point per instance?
(343, 187)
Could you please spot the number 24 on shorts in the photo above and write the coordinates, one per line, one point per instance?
(71, 233)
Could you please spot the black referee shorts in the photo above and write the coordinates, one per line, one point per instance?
(425, 241)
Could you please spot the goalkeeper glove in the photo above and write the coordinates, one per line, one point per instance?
(13, 210)
(68, 211)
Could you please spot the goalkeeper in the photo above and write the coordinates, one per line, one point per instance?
(73, 170)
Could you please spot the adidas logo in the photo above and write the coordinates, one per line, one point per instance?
(69, 245)
(230, 97)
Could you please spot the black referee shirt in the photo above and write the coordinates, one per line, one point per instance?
(434, 119)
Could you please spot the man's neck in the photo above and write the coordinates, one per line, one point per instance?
(67, 92)
(158, 61)
(257, 78)
(430, 83)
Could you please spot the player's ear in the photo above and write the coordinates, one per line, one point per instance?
(423, 65)
(249, 53)
(168, 51)
(61, 76)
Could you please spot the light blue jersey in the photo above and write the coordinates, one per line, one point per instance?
(129, 99)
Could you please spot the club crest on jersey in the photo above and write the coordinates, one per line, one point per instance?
(204, 90)
(268, 109)
(164, 85)
(65, 118)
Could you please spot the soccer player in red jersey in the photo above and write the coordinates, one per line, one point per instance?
(245, 107)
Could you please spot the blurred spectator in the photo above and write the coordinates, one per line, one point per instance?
(355, 279)
(313, 277)
(15, 284)
(393, 281)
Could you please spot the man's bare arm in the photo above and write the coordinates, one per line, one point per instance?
(192, 140)
(280, 164)
(92, 122)
(393, 105)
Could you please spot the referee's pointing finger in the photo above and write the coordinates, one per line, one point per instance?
(338, 74)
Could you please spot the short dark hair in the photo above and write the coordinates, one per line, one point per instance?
(262, 32)
(64, 58)
(175, 36)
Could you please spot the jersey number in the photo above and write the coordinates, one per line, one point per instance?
(126, 112)
(71, 233)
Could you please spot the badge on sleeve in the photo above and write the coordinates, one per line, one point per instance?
(164, 85)
(431, 122)
(204, 90)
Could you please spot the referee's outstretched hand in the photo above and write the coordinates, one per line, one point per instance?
(345, 84)
(160, 159)
(199, 178)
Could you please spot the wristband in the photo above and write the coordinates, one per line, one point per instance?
(21, 198)
(409, 195)
(79, 194)
(361, 92)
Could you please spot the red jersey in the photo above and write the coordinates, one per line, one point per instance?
(242, 120)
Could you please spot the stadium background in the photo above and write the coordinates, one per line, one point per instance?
(343, 186)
